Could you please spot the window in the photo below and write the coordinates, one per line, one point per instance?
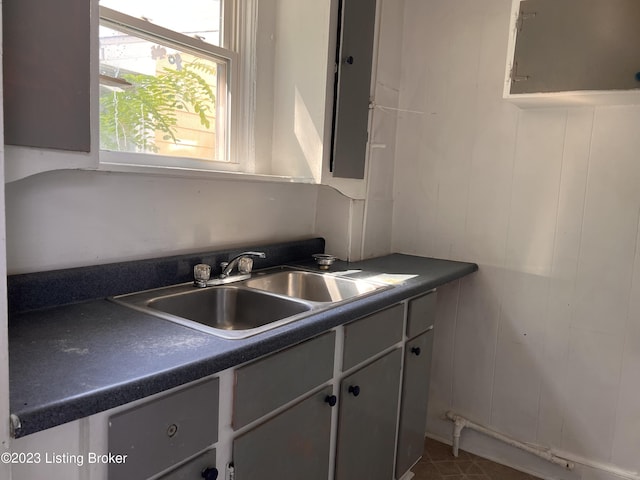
(165, 81)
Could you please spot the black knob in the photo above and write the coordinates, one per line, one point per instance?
(354, 390)
(331, 400)
(349, 60)
(209, 473)
(416, 351)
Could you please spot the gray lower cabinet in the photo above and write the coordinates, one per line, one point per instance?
(293, 445)
(165, 431)
(415, 394)
(368, 419)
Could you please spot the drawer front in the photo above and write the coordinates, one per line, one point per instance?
(270, 382)
(165, 431)
(370, 335)
(197, 468)
(422, 314)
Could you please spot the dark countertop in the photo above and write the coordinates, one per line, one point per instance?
(71, 361)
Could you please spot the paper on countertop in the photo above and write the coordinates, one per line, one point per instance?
(391, 278)
(346, 272)
(386, 278)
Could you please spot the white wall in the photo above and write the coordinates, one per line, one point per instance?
(73, 218)
(301, 42)
(543, 342)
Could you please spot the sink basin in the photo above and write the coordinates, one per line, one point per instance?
(311, 286)
(266, 301)
(229, 311)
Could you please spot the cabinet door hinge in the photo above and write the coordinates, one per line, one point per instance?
(522, 16)
(513, 74)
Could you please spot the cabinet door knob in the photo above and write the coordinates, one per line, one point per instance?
(209, 473)
(349, 60)
(354, 390)
(331, 400)
(416, 351)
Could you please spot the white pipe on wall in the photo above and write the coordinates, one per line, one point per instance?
(460, 422)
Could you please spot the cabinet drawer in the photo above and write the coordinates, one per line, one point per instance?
(370, 335)
(162, 432)
(422, 314)
(268, 383)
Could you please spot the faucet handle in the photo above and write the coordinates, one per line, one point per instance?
(201, 274)
(245, 265)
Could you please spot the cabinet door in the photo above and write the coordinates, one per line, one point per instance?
(415, 394)
(46, 48)
(573, 45)
(291, 446)
(353, 84)
(368, 418)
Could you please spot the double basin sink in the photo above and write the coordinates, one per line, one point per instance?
(265, 301)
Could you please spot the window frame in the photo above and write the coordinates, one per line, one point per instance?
(227, 102)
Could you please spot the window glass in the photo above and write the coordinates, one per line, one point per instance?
(157, 99)
(195, 18)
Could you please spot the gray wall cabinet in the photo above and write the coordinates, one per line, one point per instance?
(576, 45)
(46, 74)
(353, 85)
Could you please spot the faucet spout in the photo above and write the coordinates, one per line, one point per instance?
(227, 268)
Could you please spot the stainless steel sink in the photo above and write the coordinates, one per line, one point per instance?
(311, 286)
(266, 301)
(228, 311)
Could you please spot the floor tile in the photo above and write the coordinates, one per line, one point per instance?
(438, 463)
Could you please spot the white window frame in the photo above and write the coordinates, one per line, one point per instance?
(228, 104)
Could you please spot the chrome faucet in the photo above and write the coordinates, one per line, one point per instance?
(243, 266)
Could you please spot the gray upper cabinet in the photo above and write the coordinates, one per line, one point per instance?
(46, 74)
(353, 83)
(368, 419)
(576, 45)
